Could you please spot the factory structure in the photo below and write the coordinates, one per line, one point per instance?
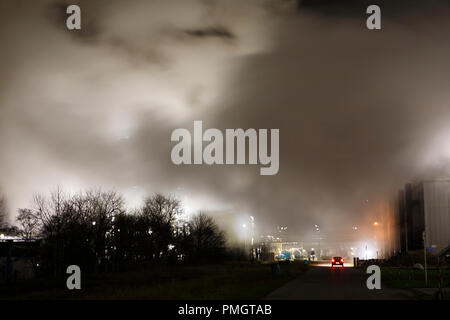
(423, 216)
(417, 216)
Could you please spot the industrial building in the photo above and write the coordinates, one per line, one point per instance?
(424, 212)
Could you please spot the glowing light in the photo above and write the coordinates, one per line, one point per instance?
(376, 223)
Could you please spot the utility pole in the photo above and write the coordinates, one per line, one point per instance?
(425, 256)
(9, 263)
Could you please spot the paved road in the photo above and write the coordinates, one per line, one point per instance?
(325, 283)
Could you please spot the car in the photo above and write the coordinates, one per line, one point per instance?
(337, 261)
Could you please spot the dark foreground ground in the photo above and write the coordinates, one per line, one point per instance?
(216, 281)
(235, 281)
(325, 283)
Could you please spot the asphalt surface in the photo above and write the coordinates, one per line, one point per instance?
(326, 283)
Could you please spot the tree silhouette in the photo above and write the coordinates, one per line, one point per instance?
(93, 230)
(29, 223)
(79, 229)
(158, 216)
(206, 238)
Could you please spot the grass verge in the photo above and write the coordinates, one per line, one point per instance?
(215, 282)
(410, 278)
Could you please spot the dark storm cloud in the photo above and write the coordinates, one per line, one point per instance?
(217, 31)
(97, 107)
(356, 111)
(359, 112)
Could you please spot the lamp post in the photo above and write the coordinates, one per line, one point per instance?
(318, 232)
(424, 237)
(244, 226)
(379, 237)
(252, 229)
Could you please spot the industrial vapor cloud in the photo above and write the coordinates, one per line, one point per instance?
(359, 112)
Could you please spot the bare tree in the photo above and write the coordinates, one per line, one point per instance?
(206, 237)
(161, 208)
(79, 227)
(159, 214)
(29, 223)
(50, 211)
(98, 212)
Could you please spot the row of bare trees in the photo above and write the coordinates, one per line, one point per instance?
(94, 230)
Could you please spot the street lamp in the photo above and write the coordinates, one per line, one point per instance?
(316, 226)
(252, 229)
(252, 235)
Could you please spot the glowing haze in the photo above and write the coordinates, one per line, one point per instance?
(360, 112)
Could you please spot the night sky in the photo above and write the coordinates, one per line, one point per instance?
(360, 112)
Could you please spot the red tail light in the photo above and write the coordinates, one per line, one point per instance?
(342, 260)
(332, 260)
